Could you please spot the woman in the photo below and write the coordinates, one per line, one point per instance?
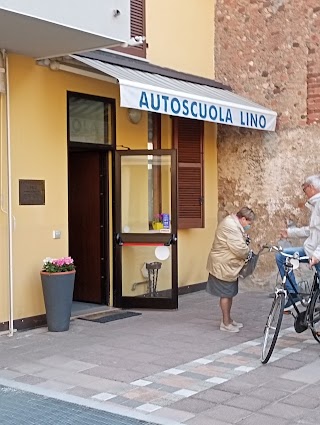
(226, 258)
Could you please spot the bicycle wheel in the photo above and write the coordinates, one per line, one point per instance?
(314, 315)
(272, 328)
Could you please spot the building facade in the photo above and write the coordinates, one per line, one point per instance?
(99, 146)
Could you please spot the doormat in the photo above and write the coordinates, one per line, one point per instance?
(109, 317)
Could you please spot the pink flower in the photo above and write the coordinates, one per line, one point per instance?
(57, 265)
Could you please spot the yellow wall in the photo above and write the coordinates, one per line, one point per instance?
(180, 35)
(38, 111)
(38, 99)
(4, 286)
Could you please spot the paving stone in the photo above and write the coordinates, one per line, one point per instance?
(204, 420)
(9, 374)
(131, 403)
(236, 386)
(311, 418)
(311, 390)
(302, 400)
(82, 392)
(50, 373)
(284, 384)
(55, 386)
(257, 418)
(215, 396)
(248, 402)
(287, 363)
(165, 388)
(282, 410)
(265, 394)
(196, 375)
(29, 379)
(228, 414)
(192, 405)
(77, 366)
(122, 375)
(28, 368)
(176, 415)
(309, 374)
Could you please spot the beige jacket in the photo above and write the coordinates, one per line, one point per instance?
(229, 250)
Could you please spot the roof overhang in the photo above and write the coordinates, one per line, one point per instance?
(39, 38)
(157, 93)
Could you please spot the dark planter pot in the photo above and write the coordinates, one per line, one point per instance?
(58, 293)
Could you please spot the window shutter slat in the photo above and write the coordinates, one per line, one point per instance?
(137, 28)
(188, 140)
(137, 18)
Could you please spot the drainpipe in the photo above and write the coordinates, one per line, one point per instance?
(4, 66)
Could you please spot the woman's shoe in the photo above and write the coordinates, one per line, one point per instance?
(228, 328)
(237, 324)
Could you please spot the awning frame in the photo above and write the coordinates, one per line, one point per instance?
(153, 92)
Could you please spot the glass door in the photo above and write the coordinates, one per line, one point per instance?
(145, 236)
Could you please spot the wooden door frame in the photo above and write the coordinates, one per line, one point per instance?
(106, 151)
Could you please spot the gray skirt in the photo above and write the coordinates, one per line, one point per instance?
(221, 288)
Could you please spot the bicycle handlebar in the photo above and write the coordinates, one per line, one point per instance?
(279, 249)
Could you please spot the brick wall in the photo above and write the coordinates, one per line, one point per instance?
(313, 67)
(269, 52)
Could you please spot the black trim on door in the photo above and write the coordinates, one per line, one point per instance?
(104, 220)
(120, 239)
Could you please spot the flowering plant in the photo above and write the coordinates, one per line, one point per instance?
(58, 265)
(158, 218)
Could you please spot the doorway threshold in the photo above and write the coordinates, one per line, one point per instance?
(83, 309)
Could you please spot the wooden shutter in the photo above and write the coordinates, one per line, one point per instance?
(188, 140)
(137, 28)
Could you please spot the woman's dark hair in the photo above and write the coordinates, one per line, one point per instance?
(247, 213)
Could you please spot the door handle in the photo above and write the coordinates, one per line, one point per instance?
(172, 240)
(118, 239)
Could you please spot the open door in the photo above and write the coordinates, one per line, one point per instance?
(146, 269)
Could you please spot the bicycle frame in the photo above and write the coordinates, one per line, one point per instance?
(305, 319)
(288, 294)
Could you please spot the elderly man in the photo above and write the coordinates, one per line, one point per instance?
(311, 246)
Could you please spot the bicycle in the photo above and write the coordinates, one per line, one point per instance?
(308, 318)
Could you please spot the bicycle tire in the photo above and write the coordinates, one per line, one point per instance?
(314, 315)
(273, 323)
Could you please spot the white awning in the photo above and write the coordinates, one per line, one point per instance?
(157, 93)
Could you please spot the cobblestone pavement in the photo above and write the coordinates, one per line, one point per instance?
(171, 367)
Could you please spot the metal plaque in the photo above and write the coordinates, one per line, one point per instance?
(31, 192)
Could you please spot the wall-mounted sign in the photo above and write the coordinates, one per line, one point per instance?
(31, 192)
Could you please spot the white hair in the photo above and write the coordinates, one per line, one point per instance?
(314, 181)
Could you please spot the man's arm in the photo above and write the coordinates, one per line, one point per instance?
(298, 232)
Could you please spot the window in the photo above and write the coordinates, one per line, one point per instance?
(137, 28)
(188, 140)
(90, 119)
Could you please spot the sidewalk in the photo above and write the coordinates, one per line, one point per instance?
(170, 367)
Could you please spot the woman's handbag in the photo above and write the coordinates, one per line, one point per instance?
(250, 265)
